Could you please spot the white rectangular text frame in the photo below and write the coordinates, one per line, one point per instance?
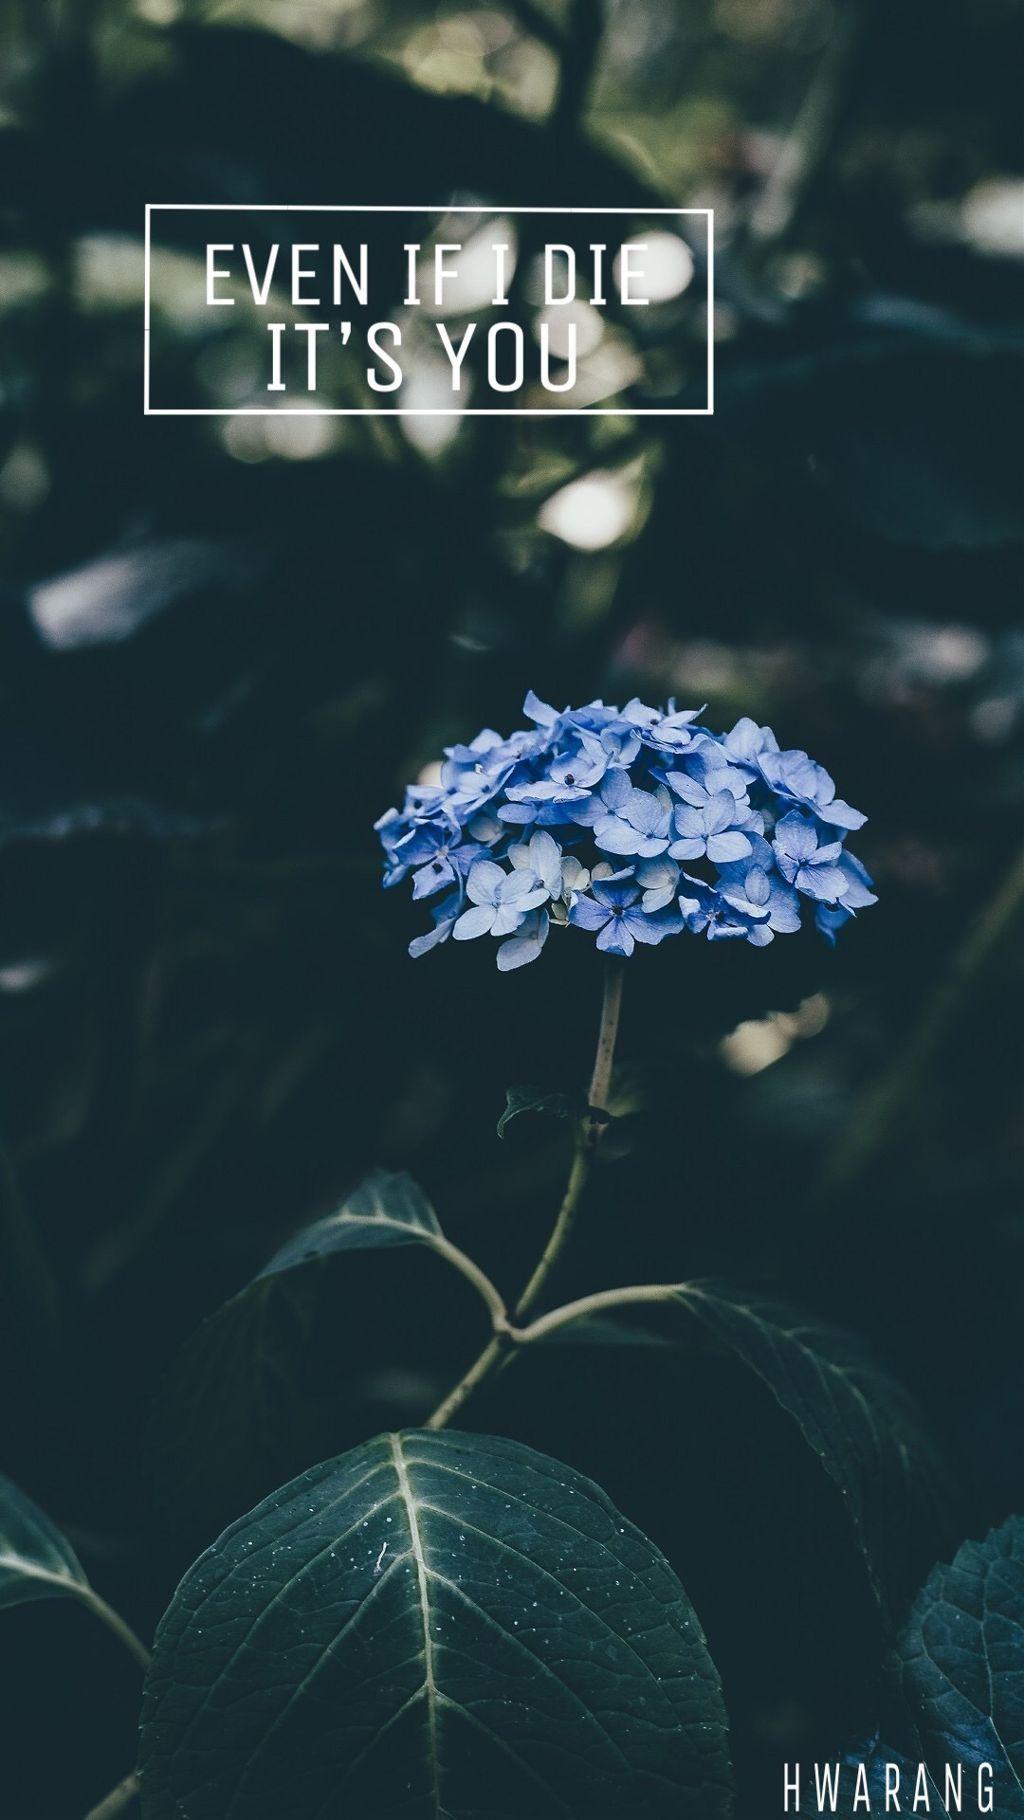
(422, 208)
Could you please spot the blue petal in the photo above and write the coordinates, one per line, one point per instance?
(525, 945)
(687, 849)
(617, 891)
(519, 815)
(725, 847)
(585, 914)
(506, 919)
(686, 787)
(615, 836)
(840, 815)
(472, 923)
(616, 790)
(796, 836)
(422, 944)
(516, 886)
(646, 813)
(758, 887)
(538, 710)
(615, 938)
(484, 881)
(432, 877)
(826, 883)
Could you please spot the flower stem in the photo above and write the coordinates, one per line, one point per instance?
(578, 1176)
(480, 1369)
(601, 1079)
(498, 1350)
(587, 1135)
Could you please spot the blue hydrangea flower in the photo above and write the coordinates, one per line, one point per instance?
(754, 887)
(543, 801)
(745, 745)
(615, 914)
(445, 917)
(525, 945)
(806, 861)
(707, 911)
(631, 821)
(711, 830)
(542, 857)
(673, 732)
(797, 779)
(705, 772)
(629, 824)
(498, 900)
(437, 853)
(659, 879)
(830, 918)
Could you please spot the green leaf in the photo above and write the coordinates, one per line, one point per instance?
(444, 1626)
(860, 1782)
(598, 1330)
(234, 1411)
(245, 1402)
(861, 1424)
(383, 1210)
(958, 1664)
(954, 1690)
(36, 1560)
(535, 1099)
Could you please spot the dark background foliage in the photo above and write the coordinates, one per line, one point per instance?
(225, 651)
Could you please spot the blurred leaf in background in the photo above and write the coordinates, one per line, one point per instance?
(227, 644)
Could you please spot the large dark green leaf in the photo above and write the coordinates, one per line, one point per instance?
(956, 1692)
(863, 1781)
(960, 1663)
(860, 1423)
(36, 1560)
(441, 1626)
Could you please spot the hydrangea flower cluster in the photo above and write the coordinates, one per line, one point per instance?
(632, 824)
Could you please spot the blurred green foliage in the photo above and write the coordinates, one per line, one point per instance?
(226, 649)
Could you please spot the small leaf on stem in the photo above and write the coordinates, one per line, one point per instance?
(536, 1099)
